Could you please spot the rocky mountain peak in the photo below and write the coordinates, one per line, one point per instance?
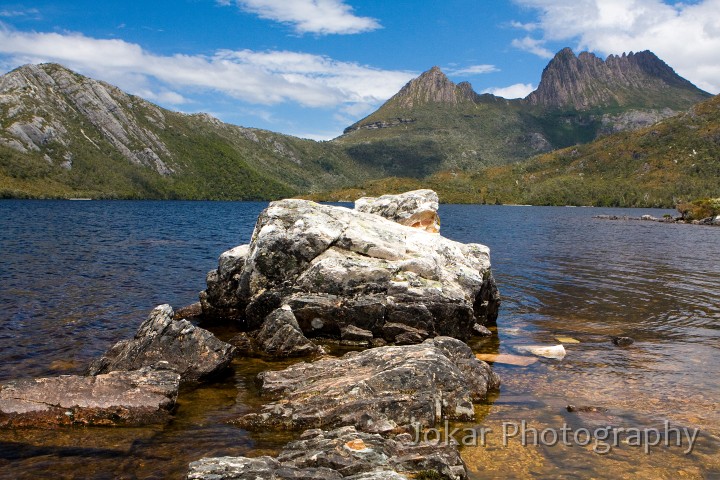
(433, 86)
(586, 81)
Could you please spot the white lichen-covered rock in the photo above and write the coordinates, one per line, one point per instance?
(336, 267)
(417, 209)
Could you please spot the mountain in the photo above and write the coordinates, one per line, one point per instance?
(675, 160)
(432, 124)
(586, 82)
(66, 135)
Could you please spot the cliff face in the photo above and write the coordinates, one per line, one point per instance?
(587, 82)
(42, 103)
(64, 135)
(433, 86)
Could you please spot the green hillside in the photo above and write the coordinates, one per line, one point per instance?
(65, 135)
(674, 161)
(434, 125)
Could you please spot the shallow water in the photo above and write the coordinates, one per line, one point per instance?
(77, 276)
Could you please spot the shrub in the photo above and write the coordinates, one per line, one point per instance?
(699, 209)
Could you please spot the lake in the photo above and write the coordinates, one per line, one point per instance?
(75, 277)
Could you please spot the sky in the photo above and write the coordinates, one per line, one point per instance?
(310, 68)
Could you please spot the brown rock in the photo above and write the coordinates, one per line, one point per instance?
(114, 399)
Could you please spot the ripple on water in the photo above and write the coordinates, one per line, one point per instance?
(78, 276)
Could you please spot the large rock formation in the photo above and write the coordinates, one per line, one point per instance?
(378, 390)
(434, 86)
(343, 453)
(338, 269)
(170, 344)
(114, 399)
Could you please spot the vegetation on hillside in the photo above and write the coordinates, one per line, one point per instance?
(699, 209)
(674, 161)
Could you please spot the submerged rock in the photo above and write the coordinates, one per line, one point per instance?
(114, 399)
(622, 341)
(548, 351)
(343, 453)
(377, 390)
(417, 209)
(169, 344)
(586, 409)
(338, 268)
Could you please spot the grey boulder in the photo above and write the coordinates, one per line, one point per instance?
(417, 209)
(168, 344)
(279, 337)
(338, 268)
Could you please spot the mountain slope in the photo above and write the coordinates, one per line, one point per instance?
(82, 137)
(675, 160)
(433, 124)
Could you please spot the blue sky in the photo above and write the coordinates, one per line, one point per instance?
(312, 67)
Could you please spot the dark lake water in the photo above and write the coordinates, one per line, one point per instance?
(75, 277)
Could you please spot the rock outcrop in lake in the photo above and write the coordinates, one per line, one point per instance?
(417, 209)
(377, 390)
(168, 344)
(113, 399)
(343, 453)
(349, 273)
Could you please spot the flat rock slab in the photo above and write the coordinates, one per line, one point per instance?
(378, 390)
(175, 345)
(114, 399)
(343, 453)
(506, 358)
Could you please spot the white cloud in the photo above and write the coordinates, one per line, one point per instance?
(519, 90)
(31, 12)
(685, 35)
(533, 46)
(163, 96)
(472, 70)
(321, 17)
(528, 27)
(267, 78)
(320, 137)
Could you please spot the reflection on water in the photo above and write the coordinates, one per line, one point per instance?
(78, 276)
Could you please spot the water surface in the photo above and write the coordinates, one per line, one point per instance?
(76, 277)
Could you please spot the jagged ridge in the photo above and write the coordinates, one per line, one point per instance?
(450, 127)
(587, 82)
